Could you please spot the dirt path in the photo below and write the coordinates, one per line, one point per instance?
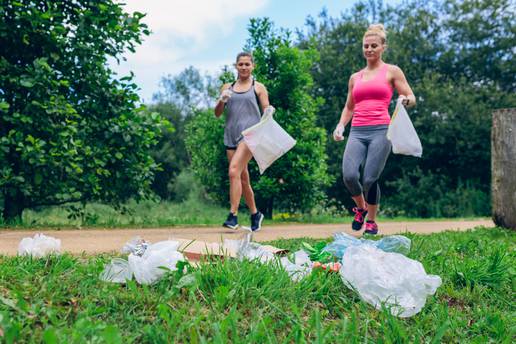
(94, 241)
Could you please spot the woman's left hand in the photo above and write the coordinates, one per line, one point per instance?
(406, 101)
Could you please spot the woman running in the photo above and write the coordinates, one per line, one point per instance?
(242, 100)
(369, 94)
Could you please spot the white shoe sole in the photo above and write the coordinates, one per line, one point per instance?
(259, 224)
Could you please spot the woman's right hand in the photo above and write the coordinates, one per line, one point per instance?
(338, 133)
(225, 95)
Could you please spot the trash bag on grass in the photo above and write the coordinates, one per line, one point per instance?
(135, 246)
(155, 261)
(388, 278)
(148, 263)
(39, 246)
(392, 243)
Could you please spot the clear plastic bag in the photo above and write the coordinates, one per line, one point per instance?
(267, 140)
(402, 134)
(392, 243)
(301, 267)
(388, 278)
(117, 271)
(39, 246)
(246, 249)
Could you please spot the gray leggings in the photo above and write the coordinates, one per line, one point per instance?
(367, 146)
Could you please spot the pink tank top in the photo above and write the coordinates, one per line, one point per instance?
(372, 98)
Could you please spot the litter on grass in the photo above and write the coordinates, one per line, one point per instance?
(39, 246)
(392, 243)
(146, 262)
(387, 278)
(376, 270)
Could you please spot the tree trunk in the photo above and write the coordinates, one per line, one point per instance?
(268, 208)
(13, 207)
(503, 167)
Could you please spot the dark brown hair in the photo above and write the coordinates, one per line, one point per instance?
(243, 54)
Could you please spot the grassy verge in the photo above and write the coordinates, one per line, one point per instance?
(164, 214)
(61, 300)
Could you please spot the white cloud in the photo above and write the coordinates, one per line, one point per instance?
(193, 19)
(180, 29)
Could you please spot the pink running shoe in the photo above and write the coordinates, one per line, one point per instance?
(371, 227)
(358, 221)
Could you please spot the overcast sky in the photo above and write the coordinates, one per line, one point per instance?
(206, 34)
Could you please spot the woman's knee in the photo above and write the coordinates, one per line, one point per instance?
(370, 183)
(234, 172)
(350, 178)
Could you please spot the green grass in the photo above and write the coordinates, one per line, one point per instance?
(163, 214)
(61, 300)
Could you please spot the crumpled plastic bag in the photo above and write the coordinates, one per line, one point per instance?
(136, 246)
(147, 263)
(392, 243)
(117, 271)
(154, 263)
(245, 248)
(388, 278)
(39, 246)
(301, 267)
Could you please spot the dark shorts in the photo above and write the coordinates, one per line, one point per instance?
(231, 148)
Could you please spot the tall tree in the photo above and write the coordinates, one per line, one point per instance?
(69, 129)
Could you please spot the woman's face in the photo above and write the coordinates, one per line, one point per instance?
(244, 67)
(372, 47)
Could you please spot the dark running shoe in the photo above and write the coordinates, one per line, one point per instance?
(231, 221)
(371, 227)
(256, 221)
(359, 219)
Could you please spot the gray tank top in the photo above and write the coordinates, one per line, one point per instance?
(242, 112)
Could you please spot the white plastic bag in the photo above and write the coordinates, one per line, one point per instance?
(136, 246)
(155, 261)
(39, 246)
(402, 134)
(267, 140)
(389, 278)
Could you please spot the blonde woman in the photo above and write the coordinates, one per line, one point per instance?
(369, 93)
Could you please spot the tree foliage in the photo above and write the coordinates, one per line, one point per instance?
(69, 129)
